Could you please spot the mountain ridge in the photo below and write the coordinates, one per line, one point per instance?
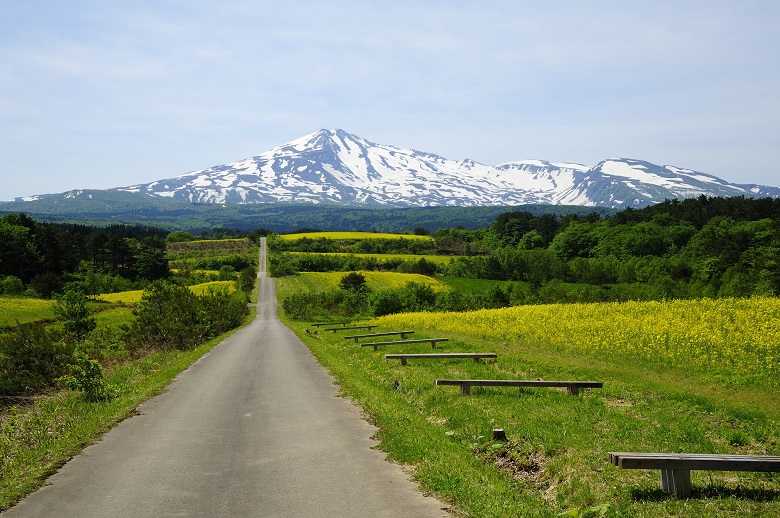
(336, 167)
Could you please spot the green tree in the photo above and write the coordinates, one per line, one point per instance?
(353, 282)
(72, 306)
(152, 264)
(246, 279)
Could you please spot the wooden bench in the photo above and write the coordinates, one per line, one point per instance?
(371, 335)
(347, 328)
(676, 467)
(572, 387)
(432, 341)
(404, 357)
(329, 324)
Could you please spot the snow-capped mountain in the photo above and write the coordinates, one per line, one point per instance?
(339, 168)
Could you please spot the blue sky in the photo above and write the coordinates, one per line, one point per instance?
(97, 94)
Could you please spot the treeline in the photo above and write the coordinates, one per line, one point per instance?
(38, 259)
(280, 265)
(41, 259)
(413, 296)
(353, 246)
(702, 247)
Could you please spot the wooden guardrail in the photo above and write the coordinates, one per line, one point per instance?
(676, 467)
(432, 341)
(371, 335)
(318, 324)
(572, 387)
(348, 328)
(404, 357)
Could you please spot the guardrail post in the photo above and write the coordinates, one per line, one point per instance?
(676, 482)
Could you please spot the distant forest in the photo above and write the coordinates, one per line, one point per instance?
(103, 208)
(699, 247)
(41, 259)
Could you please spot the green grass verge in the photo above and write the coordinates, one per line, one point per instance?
(556, 458)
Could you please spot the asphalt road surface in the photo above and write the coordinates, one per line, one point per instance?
(254, 428)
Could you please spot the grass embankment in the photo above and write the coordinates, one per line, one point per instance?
(556, 458)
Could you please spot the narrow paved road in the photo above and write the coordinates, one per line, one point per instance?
(254, 428)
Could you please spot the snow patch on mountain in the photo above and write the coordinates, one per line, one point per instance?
(333, 166)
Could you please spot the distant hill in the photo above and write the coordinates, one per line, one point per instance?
(109, 207)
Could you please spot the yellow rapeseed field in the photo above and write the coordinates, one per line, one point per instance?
(351, 235)
(134, 296)
(374, 280)
(439, 259)
(202, 289)
(741, 336)
(122, 297)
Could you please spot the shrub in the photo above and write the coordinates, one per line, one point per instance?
(353, 282)
(86, 376)
(31, 359)
(170, 316)
(72, 306)
(11, 285)
(246, 279)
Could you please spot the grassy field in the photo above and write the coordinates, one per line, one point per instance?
(351, 235)
(556, 458)
(22, 310)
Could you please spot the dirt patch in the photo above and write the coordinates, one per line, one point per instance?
(617, 402)
(519, 461)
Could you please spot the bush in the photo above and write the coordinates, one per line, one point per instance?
(309, 306)
(353, 282)
(11, 285)
(170, 316)
(247, 278)
(86, 376)
(72, 306)
(31, 359)
(385, 302)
